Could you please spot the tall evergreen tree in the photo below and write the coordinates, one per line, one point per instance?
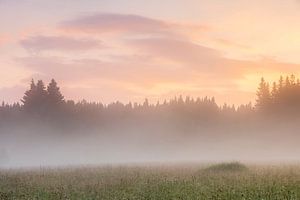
(55, 98)
(146, 103)
(29, 96)
(35, 98)
(41, 97)
(280, 84)
(287, 82)
(293, 80)
(274, 91)
(263, 100)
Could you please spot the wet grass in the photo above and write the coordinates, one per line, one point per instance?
(154, 183)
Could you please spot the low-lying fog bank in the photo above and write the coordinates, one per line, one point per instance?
(21, 147)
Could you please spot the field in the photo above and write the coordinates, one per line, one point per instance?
(157, 182)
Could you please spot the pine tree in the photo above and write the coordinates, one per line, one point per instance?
(280, 84)
(35, 98)
(41, 97)
(274, 91)
(55, 98)
(287, 82)
(263, 100)
(29, 97)
(146, 103)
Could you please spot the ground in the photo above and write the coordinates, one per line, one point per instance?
(154, 182)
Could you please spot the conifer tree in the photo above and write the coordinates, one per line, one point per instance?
(35, 98)
(41, 97)
(55, 98)
(263, 100)
(274, 91)
(29, 96)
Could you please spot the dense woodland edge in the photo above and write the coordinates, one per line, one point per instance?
(47, 103)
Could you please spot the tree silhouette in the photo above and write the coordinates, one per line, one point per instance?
(282, 100)
(274, 91)
(55, 98)
(35, 98)
(29, 97)
(263, 100)
(41, 97)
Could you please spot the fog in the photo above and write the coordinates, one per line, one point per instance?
(37, 146)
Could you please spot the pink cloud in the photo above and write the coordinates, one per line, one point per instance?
(187, 53)
(104, 22)
(206, 60)
(41, 43)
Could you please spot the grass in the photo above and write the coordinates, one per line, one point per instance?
(154, 183)
(226, 167)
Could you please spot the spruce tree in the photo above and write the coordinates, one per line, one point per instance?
(35, 98)
(274, 91)
(41, 97)
(29, 97)
(55, 98)
(263, 100)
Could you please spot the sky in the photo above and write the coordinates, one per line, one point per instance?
(129, 50)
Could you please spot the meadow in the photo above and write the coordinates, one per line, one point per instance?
(227, 181)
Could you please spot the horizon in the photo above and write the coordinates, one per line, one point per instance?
(158, 102)
(270, 86)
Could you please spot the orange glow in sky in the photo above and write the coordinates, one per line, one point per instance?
(129, 50)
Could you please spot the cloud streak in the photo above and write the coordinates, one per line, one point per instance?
(104, 22)
(61, 43)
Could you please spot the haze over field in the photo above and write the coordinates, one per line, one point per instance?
(148, 81)
(34, 150)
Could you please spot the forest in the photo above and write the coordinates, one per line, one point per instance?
(47, 104)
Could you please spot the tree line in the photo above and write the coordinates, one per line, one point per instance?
(47, 102)
(282, 97)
